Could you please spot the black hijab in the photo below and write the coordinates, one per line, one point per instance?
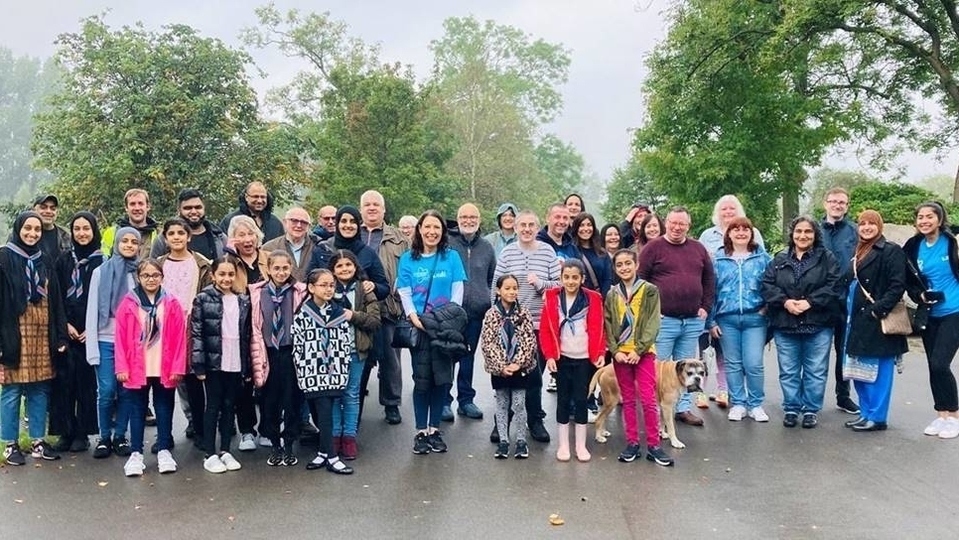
(339, 242)
(24, 269)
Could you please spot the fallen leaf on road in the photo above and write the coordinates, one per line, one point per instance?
(555, 519)
(103, 484)
(18, 501)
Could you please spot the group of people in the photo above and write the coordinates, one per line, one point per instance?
(270, 329)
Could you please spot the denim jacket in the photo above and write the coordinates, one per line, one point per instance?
(738, 284)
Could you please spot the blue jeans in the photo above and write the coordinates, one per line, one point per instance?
(37, 395)
(743, 340)
(346, 408)
(133, 404)
(465, 393)
(803, 369)
(112, 423)
(678, 339)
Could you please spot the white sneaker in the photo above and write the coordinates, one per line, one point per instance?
(736, 413)
(758, 414)
(214, 465)
(165, 462)
(265, 442)
(950, 428)
(134, 465)
(935, 426)
(230, 462)
(247, 443)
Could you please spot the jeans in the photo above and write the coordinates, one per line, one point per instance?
(743, 340)
(113, 422)
(678, 339)
(37, 395)
(465, 393)
(941, 340)
(874, 397)
(133, 404)
(803, 369)
(346, 408)
(637, 382)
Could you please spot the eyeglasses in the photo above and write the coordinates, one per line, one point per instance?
(151, 276)
(468, 218)
(249, 196)
(837, 203)
(327, 218)
(298, 222)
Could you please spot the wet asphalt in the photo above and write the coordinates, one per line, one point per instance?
(734, 480)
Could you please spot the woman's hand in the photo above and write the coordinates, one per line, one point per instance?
(123, 377)
(715, 332)
(632, 358)
(368, 286)
(551, 365)
(415, 319)
(176, 377)
(621, 357)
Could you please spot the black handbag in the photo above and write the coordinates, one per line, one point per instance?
(407, 336)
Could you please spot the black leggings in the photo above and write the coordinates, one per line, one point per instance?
(572, 384)
(322, 409)
(221, 390)
(941, 340)
(281, 399)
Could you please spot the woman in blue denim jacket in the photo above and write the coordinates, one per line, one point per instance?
(738, 319)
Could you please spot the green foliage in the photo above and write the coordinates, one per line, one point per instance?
(629, 185)
(896, 202)
(160, 111)
(825, 179)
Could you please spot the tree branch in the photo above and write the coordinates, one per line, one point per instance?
(951, 12)
(722, 44)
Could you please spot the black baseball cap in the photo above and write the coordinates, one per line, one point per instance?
(46, 197)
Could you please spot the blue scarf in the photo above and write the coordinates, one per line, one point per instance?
(151, 327)
(573, 313)
(508, 339)
(115, 274)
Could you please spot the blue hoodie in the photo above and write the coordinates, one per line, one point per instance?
(566, 250)
(738, 284)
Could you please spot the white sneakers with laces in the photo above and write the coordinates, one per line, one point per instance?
(935, 427)
(736, 413)
(230, 462)
(165, 462)
(247, 443)
(758, 414)
(950, 428)
(134, 465)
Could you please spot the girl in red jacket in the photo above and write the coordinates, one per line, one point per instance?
(571, 336)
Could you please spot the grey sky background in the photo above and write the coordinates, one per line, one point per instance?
(609, 40)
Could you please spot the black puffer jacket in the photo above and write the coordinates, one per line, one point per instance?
(882, 272)
(818, 284)
(433, 359)
(206, 331)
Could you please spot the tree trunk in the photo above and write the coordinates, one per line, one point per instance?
(955, 188)
(790, 209)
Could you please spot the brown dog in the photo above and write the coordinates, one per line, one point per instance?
(605, 378)
(671, 379)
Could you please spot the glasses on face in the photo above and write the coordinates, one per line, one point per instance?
(327, 218)
(682, 224)
(837, 202)
(467, 218)
(151, 277)
(298, 222)
(257, 197)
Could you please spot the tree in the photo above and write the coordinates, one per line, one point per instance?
(896, 202)
(630, 184)
(825, 179)
(157, 110)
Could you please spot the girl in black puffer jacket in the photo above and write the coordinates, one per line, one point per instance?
(220, 331)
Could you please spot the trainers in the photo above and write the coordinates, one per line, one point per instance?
(657, 455)
(104, 448)
(421, 444)
(758, 414)
(847, 405)
(247, 443)
(630, 453)
(950, 429)
(214, 465)
(522, 450)
(436, 442)
(150, 419)
(265, 442)
(811, 420)
(307, 429)
(701, 400)
(230, 462)
(791, 419)
(190, 431)
(393, 416)
(121, 446)
(736, 413)
(289, 459)
(447, 414)
(165, 462)
(134, 465)
(12, 454)
(935, 427)
(722, 399)
(42, 450)
(502, 451)
(470, 410)
(276, 457)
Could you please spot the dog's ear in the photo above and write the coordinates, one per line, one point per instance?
(680, 366)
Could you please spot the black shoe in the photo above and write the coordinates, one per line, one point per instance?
(630, 453)
(447, 414)
(537, 432)
(318, 462)
(470, 410)
(190, 432)
(847, 405)
(522, 450)
(155, 448)
(335, 465)
(121, 446)
(502, 451)
(103, 449)
(289, 459)
(809, 420)
(855, 422)
(869, 425)
(63, 444)
(276, 457)
(421, 444)
(393, 415)
(80, 444)
(436, 443)
(43, 451)
(151, 419)
(791, 419)
(494, 436)
(657, 455)
(13, 456)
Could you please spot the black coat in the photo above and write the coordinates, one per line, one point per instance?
(206, 331)
(818, 284)
(882, 272)
(442, 344)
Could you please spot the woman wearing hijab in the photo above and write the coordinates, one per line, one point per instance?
(347, 236)
(110, 282)
(73, 411)
(879, 279)
(30, 339)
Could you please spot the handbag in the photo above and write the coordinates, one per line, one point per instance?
(896, 322)
(407, 336)
(853, 368)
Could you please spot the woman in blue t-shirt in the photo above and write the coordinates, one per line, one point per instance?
(933, 279)
(429, 276)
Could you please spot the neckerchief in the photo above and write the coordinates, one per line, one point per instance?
(342, 294)
(36, 286)
(75, 290)
(628, 323)
(277, 296)
(507, 331)
(574, 313)
(151, 327)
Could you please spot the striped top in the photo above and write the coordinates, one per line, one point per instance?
(541, 261)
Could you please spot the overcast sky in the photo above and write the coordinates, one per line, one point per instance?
(609, 40)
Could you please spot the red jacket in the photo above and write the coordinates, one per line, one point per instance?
(549, 325)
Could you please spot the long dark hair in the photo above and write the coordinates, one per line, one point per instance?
(817, 240)
(594, 243)
(341, 254)
(417, 248)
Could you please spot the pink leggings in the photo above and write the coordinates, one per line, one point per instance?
(639, 380)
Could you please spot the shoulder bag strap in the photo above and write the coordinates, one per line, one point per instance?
(589, 269)
(863, 289)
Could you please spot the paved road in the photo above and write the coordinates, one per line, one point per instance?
(735, 480)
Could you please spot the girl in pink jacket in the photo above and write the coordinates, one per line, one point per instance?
(150, 354)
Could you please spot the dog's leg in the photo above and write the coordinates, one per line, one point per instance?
(669, 413)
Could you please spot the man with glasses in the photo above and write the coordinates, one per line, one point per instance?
(296, 240)
(326, 227)
(840, 236)
(205, 238)
(683, 271)
(257, 203)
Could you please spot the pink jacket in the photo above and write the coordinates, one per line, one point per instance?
(261, 364)
(130, 351)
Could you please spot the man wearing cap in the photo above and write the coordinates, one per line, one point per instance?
(326, 226)
(205, 238)
(53, 238)
(505, 220)
(629, 228)
(297, 241)
(256, 202)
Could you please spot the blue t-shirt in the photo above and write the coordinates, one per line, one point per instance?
(933, 262)
(415, 274)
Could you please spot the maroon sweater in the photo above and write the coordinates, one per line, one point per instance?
(683, 273)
